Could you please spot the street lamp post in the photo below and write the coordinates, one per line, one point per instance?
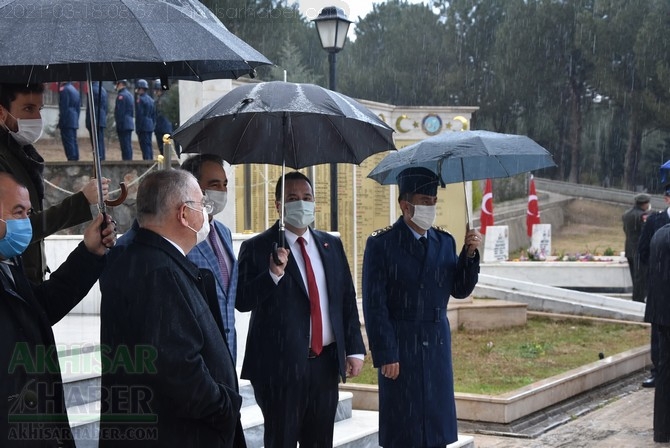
(332, 25)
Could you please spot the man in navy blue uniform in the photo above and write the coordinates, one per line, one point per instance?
(654, 222)
(410, 270)
(658, 313)
(100, 105)
(163, 125)
(69, 106)
(123, 115)
(145, 113)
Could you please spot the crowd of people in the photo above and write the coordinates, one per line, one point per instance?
(142, 111)
(170, 287)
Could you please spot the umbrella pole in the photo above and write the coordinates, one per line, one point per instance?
(465, 194)
(282, 229)
(102, 207)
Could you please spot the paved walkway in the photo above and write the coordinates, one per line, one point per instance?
(623, 423)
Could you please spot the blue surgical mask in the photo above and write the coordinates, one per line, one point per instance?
(17, 237)
(299, 214)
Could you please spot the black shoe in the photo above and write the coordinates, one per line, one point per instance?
(649, 382)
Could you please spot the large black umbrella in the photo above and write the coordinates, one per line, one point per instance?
(62, 40)
(287, 124)
(467, 155)
(59, 40)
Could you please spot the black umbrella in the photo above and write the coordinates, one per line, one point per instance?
(62, 40)
(287, 124)
(467, 155)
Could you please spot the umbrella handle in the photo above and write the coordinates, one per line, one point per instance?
(119, 200)
(276, 246)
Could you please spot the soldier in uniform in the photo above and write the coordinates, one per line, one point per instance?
(633, 220)
(409, 272)
(100, 105)
(145, 113)
(124, 111)
(69, 106)
(163, 125)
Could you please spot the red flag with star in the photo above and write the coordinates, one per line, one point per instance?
(486, 214)
(533, 213)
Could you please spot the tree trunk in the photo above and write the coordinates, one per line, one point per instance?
(633, 150)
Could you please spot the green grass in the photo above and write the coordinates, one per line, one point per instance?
(499, 361)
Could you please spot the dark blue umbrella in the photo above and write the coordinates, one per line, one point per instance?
(464, 156)
(664, 171)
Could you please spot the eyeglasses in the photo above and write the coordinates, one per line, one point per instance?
(207, 204)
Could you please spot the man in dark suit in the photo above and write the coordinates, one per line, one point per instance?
(217, 253)
(658, 313)
(304, 331)
(32, 404)
(69, 107)
(409, 272)
(654, 222)
(633, 220)
(20, 127)
(178, 385)
(124, 111)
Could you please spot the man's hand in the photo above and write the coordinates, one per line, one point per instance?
(90, 190)
(354, 366)
(278, 270)
(472, 240)
(391, 371)
(98, 241)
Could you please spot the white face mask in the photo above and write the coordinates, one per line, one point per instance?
(201, 235)
(424, 216)
(299, 214)
(219, 198)
(30, 130)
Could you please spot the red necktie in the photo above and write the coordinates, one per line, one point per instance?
(225, 276)
(315, 306)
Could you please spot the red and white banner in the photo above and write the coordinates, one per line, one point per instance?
(486, 215)
(533, 213)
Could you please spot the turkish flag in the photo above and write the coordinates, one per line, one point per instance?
(533, 213)
(486, 215)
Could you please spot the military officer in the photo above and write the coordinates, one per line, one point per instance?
(145, 114)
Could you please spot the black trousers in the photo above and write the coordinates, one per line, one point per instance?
(303, 411)
(662, 392)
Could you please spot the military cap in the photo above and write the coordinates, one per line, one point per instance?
(642, 198)
(418, 180)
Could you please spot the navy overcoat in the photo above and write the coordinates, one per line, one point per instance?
(406, 289)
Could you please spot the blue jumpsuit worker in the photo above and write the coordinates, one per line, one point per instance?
(124, 111)
(145, 113)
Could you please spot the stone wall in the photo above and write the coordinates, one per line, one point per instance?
(65, 178)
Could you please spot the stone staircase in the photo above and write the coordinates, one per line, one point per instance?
(81, 378)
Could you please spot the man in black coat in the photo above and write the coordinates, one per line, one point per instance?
(654, 222)
(304, 331)
(658, 313)
(633, 220)
(174, 384)
(32, 404)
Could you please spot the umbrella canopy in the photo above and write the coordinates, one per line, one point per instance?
(467, 155)
(287, 124)
(279, 123)
(55, 40)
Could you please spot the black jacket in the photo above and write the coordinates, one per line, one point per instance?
(30, 379)
(178, 387)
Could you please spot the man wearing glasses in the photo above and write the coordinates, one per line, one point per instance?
(178, 386)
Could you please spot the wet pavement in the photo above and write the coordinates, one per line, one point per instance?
(624, 421)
